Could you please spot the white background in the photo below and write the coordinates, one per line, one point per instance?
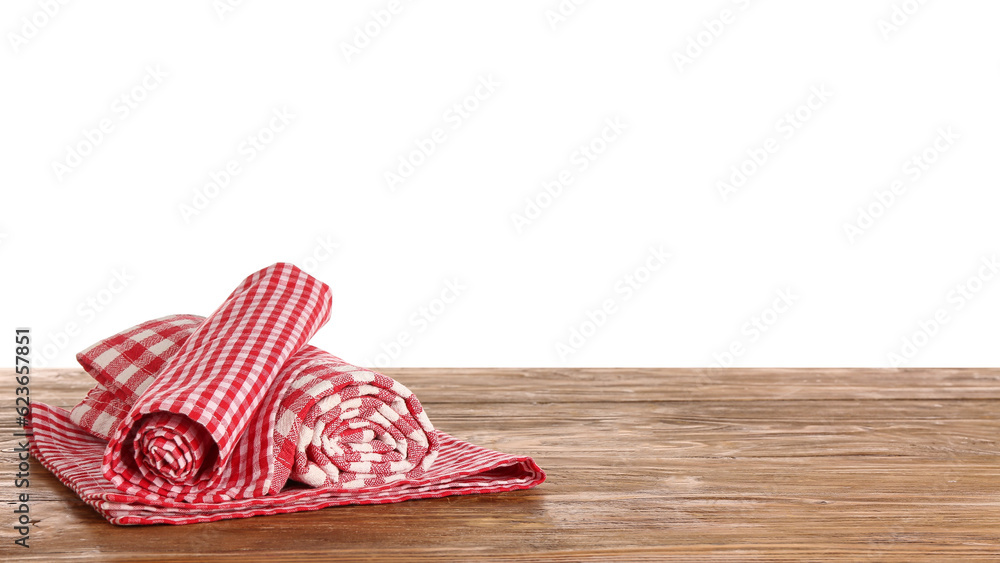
(67, 235)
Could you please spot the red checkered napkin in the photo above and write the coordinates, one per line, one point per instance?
(355, 435)
(200, 430)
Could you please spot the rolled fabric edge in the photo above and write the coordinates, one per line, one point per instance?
(340, 426)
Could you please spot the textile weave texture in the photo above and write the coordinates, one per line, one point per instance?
(200, 419)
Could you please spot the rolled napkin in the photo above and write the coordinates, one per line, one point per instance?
(185, 437)
(336, 425)
(344, 427)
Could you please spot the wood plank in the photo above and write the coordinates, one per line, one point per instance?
(549, 385)
(743, 465)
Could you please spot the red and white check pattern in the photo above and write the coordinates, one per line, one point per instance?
(195, 433)
(346, 427)
(124, 363)
(336, 425)
(355, 435)
(75, 458)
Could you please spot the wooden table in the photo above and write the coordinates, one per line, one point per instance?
(643, 464)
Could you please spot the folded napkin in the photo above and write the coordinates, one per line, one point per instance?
(200, 419)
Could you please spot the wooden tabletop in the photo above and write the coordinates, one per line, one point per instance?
(642, 464)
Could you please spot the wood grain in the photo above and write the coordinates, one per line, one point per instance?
(643, 464)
